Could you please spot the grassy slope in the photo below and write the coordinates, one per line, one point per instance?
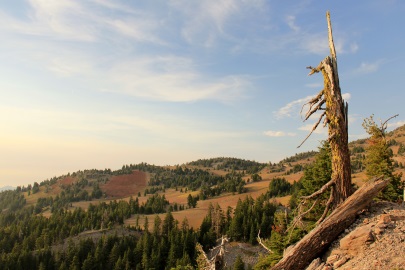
(196, 215)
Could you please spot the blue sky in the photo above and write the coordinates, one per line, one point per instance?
(102, 83)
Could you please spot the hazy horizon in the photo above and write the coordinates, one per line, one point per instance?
(102, 83)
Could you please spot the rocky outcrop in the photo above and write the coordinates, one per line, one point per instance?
(376, 240)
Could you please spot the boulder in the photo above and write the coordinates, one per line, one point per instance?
(355, 241)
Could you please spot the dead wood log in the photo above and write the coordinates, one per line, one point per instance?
(316, 241)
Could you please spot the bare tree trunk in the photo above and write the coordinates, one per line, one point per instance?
(313, 244)
(335, 115)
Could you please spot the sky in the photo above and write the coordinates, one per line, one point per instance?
(102, 83)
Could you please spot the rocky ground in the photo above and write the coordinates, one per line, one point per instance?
(376, 240)
(250, 254)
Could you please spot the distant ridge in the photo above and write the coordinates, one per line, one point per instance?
(6, 188)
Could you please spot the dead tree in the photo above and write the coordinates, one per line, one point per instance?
(335, 116)
(334, 113)
(217, 262)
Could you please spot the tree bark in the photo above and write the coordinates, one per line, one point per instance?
(338, 133)
(314, 243)
(335, 115)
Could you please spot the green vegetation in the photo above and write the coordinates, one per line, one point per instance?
(222, 163)
(65, 240)
(238, 265)
(210, 185)
(401, 149)
(29, 241)
(279, 187)
(249, 217)
(379, 160)
(11, 200)
(299, 156)
(285, 230)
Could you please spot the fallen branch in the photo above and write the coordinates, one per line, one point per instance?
(314, 243)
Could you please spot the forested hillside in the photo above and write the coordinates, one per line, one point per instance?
(145, 216)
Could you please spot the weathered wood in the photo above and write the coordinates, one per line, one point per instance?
(316, 241)
(217, 262)
(335, 115)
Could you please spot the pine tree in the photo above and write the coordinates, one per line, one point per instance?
(315, 176)
(114, 254)
(88, 263)
(379, 159)
(75, 265)
(239, 265)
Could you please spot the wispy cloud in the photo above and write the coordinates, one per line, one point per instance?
(346, 96)
(61, 18)
(291, 107)
(366, 67)
(272, 133)
(172, 78)
(205, 21)
(317, 43)
(143, 30)
(354, 47)
(290, 20)
(162, 77)
(314, 85)
(396, 124)
(319, 130)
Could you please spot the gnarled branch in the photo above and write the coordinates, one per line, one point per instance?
(384, 125)
(320, 191)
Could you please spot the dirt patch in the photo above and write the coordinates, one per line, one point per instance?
(55, 189)
(125, 185)
(66, 181)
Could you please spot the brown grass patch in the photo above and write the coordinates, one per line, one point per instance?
(196, 215)
(125, 185)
